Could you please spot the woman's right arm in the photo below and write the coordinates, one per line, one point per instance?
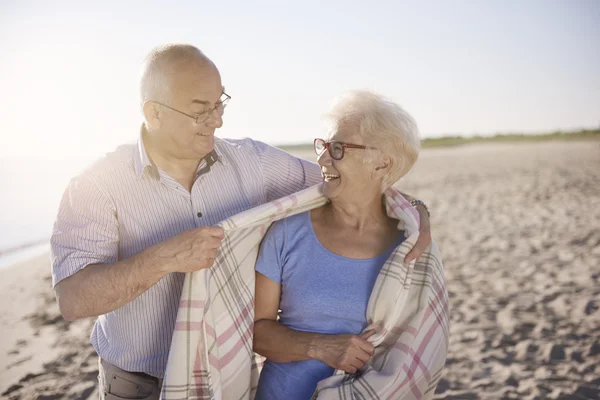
(279, 343)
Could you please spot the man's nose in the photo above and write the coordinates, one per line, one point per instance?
(214, 120)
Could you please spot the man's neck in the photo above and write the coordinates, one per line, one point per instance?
(183, 170)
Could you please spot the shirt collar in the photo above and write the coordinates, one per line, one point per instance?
(212, 158)
(142, 160)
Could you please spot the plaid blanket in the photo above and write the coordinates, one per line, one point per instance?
(211, 354)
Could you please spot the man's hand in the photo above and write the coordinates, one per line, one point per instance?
(424, 236)
(345, 352)
(191, 250)
(101, 288)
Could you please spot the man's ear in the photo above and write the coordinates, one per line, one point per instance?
(152, 115)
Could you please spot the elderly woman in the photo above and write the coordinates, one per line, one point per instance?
(316, 270)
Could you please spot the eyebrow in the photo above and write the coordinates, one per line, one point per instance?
(204, 102)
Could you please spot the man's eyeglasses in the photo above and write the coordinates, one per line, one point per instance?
(219, 108)
(336, 149)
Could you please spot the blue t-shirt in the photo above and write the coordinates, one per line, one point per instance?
(320, 292)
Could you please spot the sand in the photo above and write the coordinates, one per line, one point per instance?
(42, 356)
(519, 230)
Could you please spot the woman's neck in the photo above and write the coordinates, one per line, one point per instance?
(354, 230)
(358, 216)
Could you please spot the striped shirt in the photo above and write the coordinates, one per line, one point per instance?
(124, 204)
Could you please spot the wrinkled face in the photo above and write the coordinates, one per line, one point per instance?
(196, 87)
(349, 177)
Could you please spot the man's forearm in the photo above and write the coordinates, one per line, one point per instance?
(101, 288)
(421, 208)
(279, 343)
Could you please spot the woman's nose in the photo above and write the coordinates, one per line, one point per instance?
(324, 158)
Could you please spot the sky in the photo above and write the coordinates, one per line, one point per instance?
(69, 70)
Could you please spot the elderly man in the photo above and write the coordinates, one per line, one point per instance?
(130, 226)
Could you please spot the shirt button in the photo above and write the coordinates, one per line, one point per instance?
(199, 214)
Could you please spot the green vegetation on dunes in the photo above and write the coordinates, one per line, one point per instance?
(499, 138)
(457, 140)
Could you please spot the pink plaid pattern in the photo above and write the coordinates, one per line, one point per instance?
(211, 354)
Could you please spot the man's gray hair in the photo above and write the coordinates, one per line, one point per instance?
(155, 82)
(384, 125)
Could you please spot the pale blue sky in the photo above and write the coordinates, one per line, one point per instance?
(69, 70)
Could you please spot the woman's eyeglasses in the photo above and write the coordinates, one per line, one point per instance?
(336, 149)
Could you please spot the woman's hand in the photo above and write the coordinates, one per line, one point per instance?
(348, 353)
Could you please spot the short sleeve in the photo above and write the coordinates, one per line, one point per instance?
(284, 173)
(271, 255)
(85, 232)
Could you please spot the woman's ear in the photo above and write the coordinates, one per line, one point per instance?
(383, 166)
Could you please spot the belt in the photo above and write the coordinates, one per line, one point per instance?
(146, 376)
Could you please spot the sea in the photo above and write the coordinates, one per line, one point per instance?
(30, 193)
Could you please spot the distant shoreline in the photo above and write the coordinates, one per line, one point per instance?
(448, 141)
(16, 256)
(24, 246)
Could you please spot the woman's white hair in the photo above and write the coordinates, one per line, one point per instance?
(384, 125)
(158, 67)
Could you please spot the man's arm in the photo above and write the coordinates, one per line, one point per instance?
(89, 280)
(284, 174)
(424, 239)
(101, 288)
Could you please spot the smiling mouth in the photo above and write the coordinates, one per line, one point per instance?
(330, 177)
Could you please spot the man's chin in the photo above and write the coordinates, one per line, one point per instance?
(204, 144)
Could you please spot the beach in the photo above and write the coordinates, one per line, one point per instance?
(518, 225)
